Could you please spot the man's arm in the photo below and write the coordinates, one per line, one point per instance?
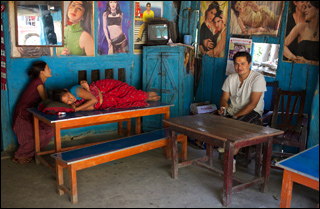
(224, 101)
(254, 100)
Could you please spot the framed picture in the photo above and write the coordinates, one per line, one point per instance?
(213, 28)
(255, 17)
(78, 29)
(114, 21)
(144, 10)
(38, 23)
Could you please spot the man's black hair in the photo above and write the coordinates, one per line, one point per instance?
(242, 54)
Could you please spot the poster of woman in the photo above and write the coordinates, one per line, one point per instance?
(301, 45)
(213, 30)
(296, 14)
(78, 29)
(114, 23)
(255, 17)
(143, 11)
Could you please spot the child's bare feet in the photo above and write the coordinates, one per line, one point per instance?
(153, 96)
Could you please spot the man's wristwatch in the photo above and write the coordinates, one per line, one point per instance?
(235, 117)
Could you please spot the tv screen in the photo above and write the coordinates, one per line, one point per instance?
(158, 32)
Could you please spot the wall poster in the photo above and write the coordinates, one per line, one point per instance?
(114, 23)
(255, 17)
(236, 45)
(302, 24)
(78, 29)
(144, 10)
(213, 29)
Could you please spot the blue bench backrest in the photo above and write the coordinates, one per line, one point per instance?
(80, 154)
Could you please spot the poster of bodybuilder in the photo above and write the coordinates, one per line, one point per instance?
(24, 52)
(302, 22)
(114, 23)
(78, 29)
(213, 29)
(255, 17)
(144, 10)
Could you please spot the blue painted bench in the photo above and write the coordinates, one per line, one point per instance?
(89, 156)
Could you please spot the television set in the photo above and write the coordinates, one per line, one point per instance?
(159, 31)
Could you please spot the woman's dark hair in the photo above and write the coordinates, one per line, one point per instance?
(149, 4)
(108, 9)
(315, 4)
(218, 14)
(86, 22)
(292, 7)
(56, 95)
(233, 4)
(213, 5)
(242, 54)
(36, 68)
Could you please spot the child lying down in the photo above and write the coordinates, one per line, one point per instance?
(103, 94)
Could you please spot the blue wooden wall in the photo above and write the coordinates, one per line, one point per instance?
(291, 76)
(64, 70)
(65, 74)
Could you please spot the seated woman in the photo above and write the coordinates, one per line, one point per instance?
(103, 94)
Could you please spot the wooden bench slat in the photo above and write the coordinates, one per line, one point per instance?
(76, 155)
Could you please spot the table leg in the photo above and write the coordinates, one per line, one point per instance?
(209, 152)
(174, 153)
(267, 152)
(129, 127)
(57, 137)
(166, 149)
(227, 173)
(36, 139)
(120, 128)
(258, 160)
(286, 190)
(138, 125)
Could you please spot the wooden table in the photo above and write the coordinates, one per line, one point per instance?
(90, 118)
(302, 168)
(230, 134)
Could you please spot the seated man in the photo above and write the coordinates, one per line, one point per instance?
(245, 89)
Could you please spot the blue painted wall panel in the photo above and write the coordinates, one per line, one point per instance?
(65, 74)
(291, 76)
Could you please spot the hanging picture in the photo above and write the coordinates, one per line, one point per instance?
(302, 22)
(144, 10)
(255, 17)
(213, 28)
(24, 52)
(78, 29)
(114, 23)
(236, 45)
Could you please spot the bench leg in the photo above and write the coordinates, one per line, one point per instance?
(59, 176)
(73, 185)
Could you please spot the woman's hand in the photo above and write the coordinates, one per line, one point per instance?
(65, 51)
(253, 6)
(85, 85)
(73, 106)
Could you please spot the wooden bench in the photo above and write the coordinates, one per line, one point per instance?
(86, 157)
